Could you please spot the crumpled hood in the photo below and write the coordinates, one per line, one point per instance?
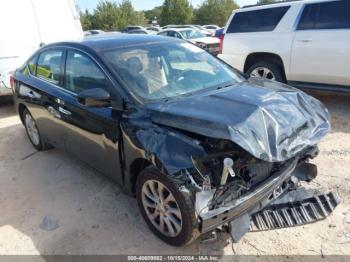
(270, 120)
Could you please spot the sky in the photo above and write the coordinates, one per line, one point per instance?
(147, 4)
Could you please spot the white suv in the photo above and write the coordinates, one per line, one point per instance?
(305, 43)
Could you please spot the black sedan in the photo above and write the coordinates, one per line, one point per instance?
(200, 146)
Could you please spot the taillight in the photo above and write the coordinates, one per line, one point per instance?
(12, 81)
(221, 43)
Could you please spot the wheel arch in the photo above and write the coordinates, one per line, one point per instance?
(135, 168)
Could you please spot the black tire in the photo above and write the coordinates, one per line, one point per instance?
(184, 203)
(276, 69)
(41, 145)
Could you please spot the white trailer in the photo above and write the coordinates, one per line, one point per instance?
(28, 24)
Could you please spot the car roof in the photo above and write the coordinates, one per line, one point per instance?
(105, 42)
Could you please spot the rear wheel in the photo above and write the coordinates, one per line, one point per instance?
(33, 132)
(168, 212)
(267, 70)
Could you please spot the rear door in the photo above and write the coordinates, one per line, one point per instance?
(91, 133)
(321, 49)
(39, 88)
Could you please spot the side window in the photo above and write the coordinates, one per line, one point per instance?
(308, 17)
(262, 20)
(163, 33)
(30, 67)
(49, 66)
(333, 15)
(171, 33)
(82, 73)
(326, 15)
(177, 35)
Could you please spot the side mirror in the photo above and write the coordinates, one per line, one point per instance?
(97, 97)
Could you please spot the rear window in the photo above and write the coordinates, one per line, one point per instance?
(30, 68)
(327, 15)
(263, 20)
(49, 66)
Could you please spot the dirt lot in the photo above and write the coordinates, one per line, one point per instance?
(53, 204)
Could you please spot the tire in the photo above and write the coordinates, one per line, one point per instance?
(38, 142)
(183, 202)
(272, 67)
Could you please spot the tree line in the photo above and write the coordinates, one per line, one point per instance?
(111, 16)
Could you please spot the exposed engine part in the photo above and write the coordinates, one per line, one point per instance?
(203, 200)
(227, 169)
(206, 184)
(229, 192)
(193, 182)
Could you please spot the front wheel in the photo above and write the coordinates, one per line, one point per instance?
(169, 213)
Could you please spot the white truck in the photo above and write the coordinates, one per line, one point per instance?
(303, 43)
(28, 24)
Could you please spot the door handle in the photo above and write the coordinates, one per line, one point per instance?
(305, 40)
(64, 111)
(30, 94)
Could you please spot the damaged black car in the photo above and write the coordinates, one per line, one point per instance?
(200, 146)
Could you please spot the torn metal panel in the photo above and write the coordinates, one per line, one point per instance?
(173, 150)
(271, 121)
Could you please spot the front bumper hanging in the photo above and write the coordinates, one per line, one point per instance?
(296, 208)
(278, 203)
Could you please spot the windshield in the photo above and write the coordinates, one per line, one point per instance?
(169, 69)
(191, 34)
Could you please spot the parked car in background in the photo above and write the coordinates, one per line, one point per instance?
(93, 32)
(154, 28)
(211, 28)
(168, 26)
(206, 32)
(219, 32)
(303, 43)
(194, 27)
(28, 24)
(132, 28)
(210, 44)
(142, 31)
(198, 145)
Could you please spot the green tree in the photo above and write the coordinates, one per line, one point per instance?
(128, 15)
(86, 20)
(106, 16)
(214, 12)
(155, 12)
(176, 12)
(110, 16)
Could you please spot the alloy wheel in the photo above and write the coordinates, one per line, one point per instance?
(32, 130)
(161, 208)
(263, 72)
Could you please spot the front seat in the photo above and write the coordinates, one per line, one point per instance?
(134, 78)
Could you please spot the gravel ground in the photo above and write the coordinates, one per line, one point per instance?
(53, 204)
